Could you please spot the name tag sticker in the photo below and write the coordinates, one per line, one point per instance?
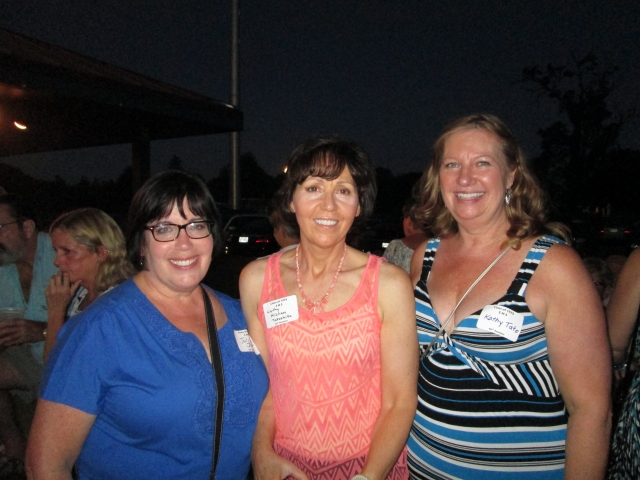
(501, 320)
(281, 311)
(244, 341)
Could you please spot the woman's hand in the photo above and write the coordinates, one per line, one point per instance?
(270, 466)
(60, 292)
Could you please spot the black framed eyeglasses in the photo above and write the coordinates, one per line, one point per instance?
(2, 225)
(168, 232)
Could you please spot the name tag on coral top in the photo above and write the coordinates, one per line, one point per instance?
(245, 342)
(281, 311)
(501, 320)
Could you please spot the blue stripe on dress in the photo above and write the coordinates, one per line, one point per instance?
(488, 407)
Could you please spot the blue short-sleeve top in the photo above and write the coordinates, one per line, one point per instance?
(152, 389)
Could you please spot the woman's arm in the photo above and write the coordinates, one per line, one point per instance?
(267, 465)
(622, 311)
(399, 374)
(562, 295)
(58, 294)
(57, 435)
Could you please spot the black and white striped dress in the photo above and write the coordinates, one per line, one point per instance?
(488, 407)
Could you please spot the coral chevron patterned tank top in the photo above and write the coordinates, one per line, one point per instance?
(324, 371)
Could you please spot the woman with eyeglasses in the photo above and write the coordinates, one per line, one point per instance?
(130, 389)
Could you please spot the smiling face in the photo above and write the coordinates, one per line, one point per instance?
(325, 209)
(75, 259)
(179, 265)
(474, 178)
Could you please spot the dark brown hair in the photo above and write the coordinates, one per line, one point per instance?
(327, 157)
(156, 198)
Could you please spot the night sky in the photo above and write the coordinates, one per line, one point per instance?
(386, 74)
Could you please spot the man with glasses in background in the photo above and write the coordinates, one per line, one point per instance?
(26, 265)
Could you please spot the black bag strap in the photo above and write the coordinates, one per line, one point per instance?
(216, 365)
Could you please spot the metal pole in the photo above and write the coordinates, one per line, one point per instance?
(140, 158)
(234, 178)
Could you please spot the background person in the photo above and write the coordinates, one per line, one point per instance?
(400, 251)
(527, 345)
(343, 370)
(622, 317)
(91, 256)
(26, 265)
(129, 389)
(602, 277)
(286, 235)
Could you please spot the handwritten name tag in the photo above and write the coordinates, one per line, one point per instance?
(501, 320)
(281, 311)
(244, 341)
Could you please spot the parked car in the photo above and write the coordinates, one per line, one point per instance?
(615, 228)
(249, 235)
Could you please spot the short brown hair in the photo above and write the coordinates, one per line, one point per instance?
(327, 157)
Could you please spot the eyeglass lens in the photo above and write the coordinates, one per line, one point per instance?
(168, 231)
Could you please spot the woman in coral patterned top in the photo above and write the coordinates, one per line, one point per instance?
(336, 329)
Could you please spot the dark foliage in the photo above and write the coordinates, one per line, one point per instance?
(580, 152)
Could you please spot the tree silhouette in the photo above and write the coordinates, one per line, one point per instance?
(255, 183)
(50, 198)
(576, 149)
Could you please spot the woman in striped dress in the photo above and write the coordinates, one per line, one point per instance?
(516, 383)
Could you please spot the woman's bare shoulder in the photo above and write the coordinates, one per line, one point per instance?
(560, 274)
(633, 261)
(254, 272)
(355, 260)
(394, 279)
(391, 271)
(560, 256)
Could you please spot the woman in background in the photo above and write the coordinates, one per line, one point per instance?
(602, 277)
(91, 257)
(515, 373)
(622, 316)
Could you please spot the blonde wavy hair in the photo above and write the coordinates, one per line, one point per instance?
(526, 210)
(93, 228)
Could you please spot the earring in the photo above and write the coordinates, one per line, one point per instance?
(507, 196)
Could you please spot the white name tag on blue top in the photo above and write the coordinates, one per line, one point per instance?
(502, 321)
(280, 311)
(245, 342)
